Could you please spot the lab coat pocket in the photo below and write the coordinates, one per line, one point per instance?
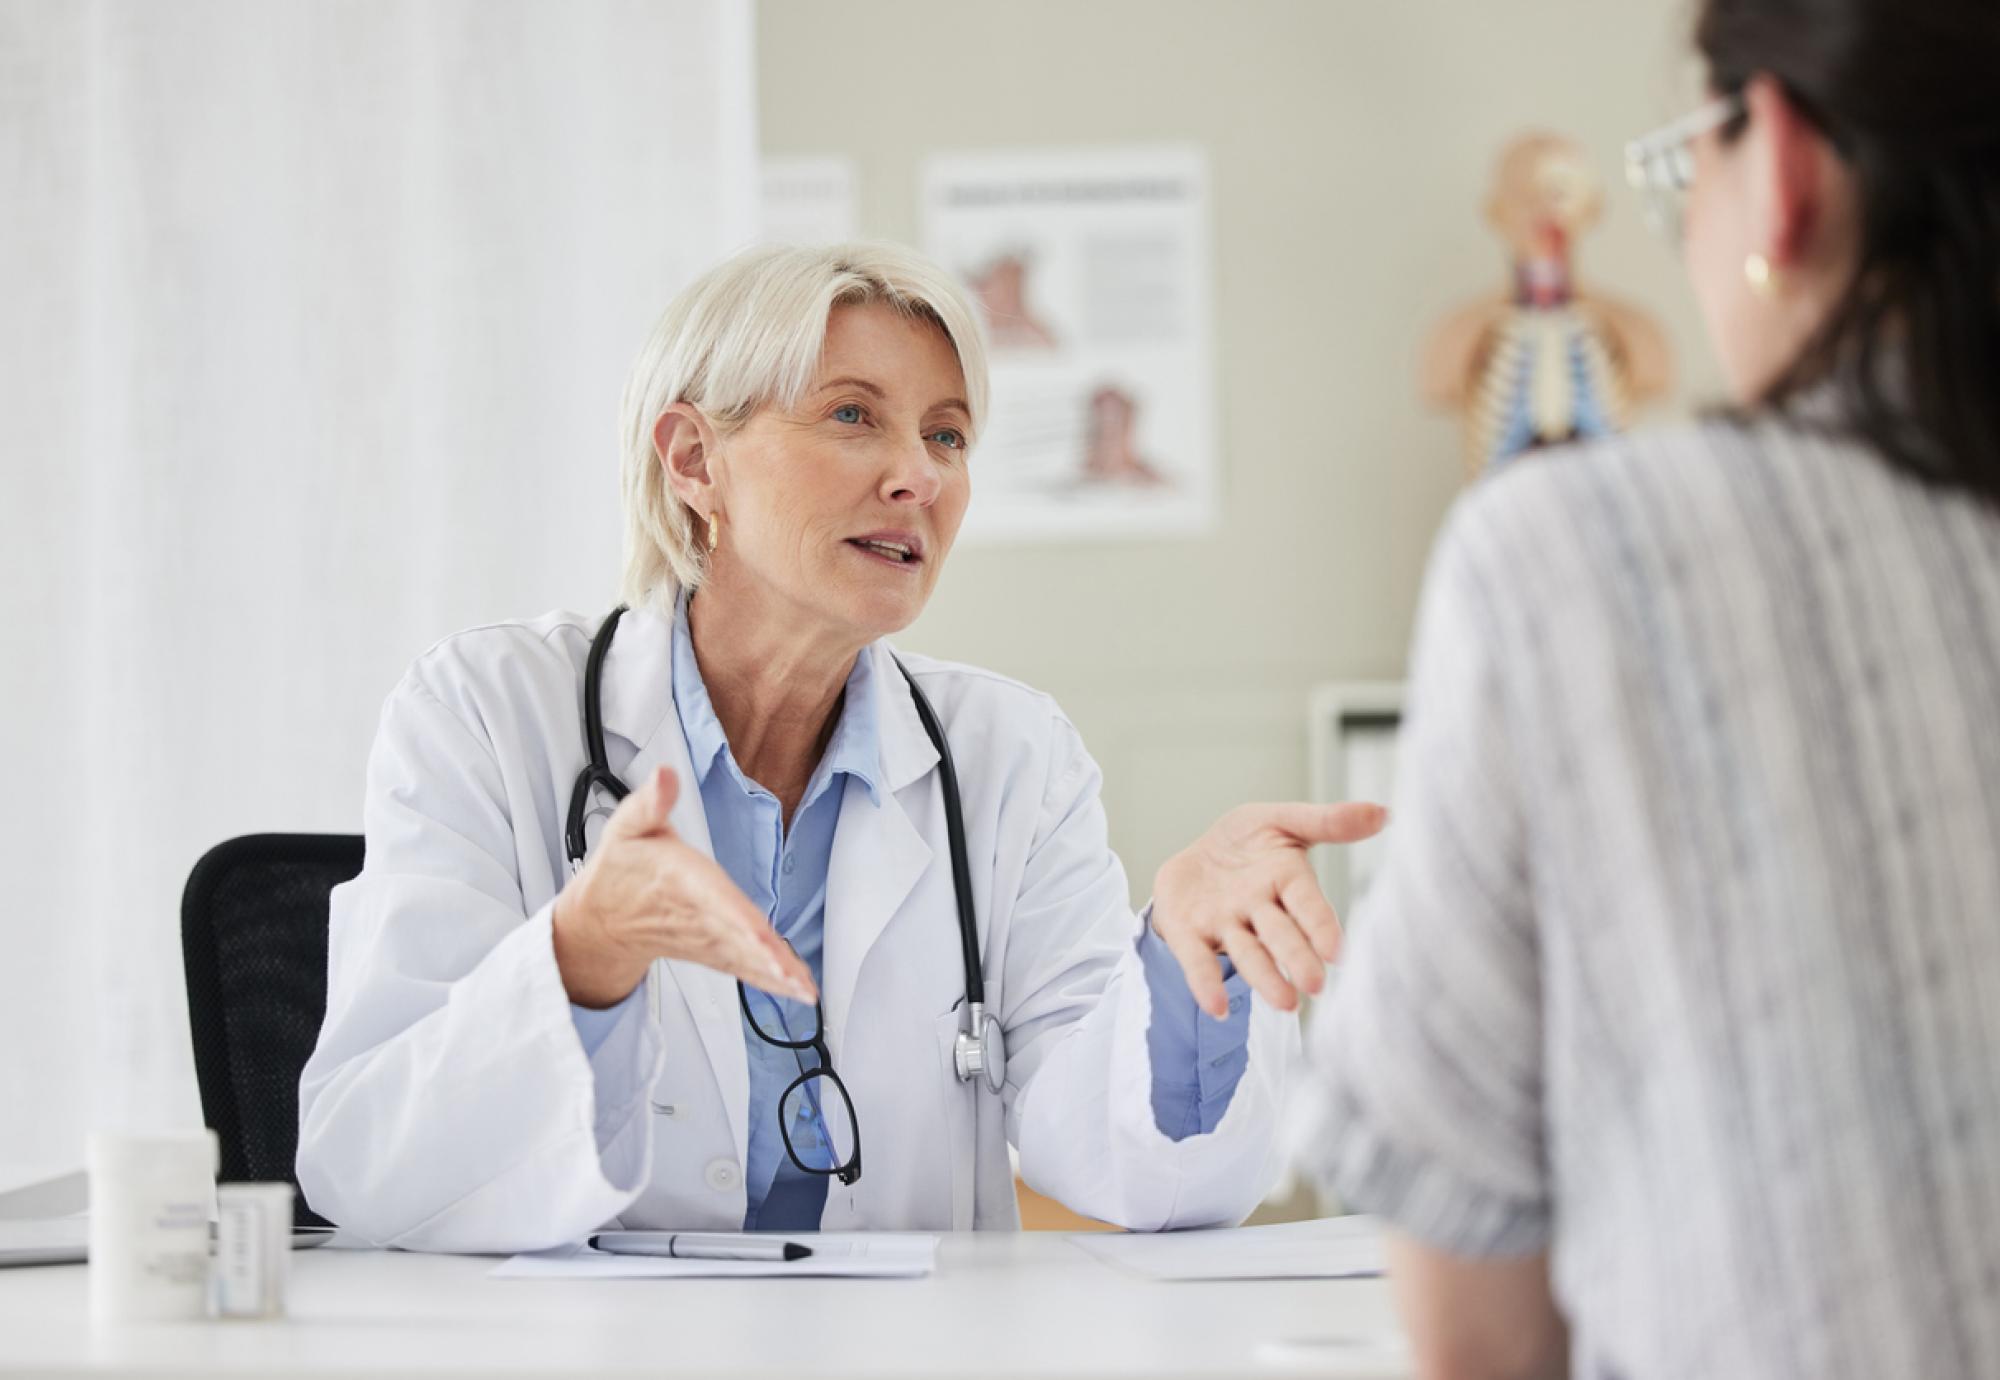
(960, 1113)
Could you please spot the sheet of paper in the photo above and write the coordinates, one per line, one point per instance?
(1330, 1248)
(809, 200)
(845, 1255)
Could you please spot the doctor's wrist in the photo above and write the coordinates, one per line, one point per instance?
(596, 972)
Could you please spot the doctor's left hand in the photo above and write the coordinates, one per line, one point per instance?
(1245, 889)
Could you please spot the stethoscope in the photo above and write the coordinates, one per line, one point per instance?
(979, 1051)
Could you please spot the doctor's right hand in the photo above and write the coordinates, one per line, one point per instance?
(644, 894)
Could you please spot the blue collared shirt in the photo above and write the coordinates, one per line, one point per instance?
(1197, 1062)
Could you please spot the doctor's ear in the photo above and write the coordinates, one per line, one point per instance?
(685, 441)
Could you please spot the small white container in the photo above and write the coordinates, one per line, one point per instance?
(253, 1249)
(150, 1197)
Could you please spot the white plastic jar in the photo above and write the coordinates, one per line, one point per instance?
(150, 1201)
(253, 1249)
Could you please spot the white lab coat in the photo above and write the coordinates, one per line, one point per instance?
(450, 1105)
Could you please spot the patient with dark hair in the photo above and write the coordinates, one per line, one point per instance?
(1669, 1044)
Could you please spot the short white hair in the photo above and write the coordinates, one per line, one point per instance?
(747, 333)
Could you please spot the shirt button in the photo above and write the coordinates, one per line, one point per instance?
(790, 863)
(721, 1175)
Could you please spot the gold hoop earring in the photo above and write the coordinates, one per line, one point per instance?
(714, 532)
(1757, 272)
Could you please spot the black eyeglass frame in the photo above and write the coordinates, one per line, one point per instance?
(849, 1171)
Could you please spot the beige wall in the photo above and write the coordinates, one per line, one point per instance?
(1349, 145)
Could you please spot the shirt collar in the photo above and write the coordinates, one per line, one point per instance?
(854, 749)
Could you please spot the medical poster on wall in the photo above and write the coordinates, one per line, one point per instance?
(1093, 272)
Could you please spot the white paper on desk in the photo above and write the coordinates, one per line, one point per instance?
(1331, 1248)
(836, 1254)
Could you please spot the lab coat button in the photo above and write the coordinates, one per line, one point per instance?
(721, 1175)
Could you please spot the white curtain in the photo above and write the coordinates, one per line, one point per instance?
(314, 316)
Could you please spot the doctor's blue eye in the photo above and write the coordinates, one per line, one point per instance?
(948, 437)
(847, 412)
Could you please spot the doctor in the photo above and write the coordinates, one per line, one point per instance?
(762, 992)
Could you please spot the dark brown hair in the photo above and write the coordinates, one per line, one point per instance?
(1908, 92)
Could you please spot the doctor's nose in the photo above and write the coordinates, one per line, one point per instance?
(912, 476)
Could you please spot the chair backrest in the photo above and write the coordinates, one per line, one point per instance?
(253, 940)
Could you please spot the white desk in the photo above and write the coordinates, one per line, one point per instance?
(1029, 1304)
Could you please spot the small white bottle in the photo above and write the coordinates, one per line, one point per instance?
(253, 1249)
(150, 1198)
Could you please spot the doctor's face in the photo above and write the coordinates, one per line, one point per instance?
(843, 508)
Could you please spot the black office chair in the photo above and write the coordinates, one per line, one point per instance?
(253, 940)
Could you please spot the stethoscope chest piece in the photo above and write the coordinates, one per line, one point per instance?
(981, 1052)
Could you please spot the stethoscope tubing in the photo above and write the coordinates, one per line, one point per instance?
(597, 775)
